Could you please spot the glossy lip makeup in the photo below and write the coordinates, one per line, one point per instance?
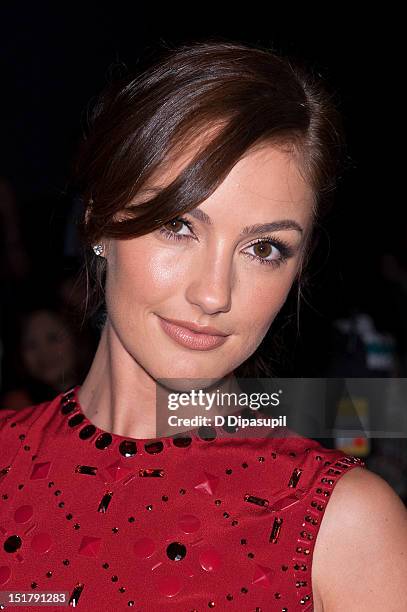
(190, 339)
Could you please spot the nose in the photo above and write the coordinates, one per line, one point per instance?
(211, 282)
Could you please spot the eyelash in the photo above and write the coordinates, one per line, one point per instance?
(284, 249)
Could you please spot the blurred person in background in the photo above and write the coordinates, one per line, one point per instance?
(47, 360)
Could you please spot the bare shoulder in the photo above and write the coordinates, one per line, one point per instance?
(360, 555)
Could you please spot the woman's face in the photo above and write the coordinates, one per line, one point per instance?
(47, 349)
(214, 273)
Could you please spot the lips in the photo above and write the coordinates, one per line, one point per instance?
(192, 339)
(200, 329)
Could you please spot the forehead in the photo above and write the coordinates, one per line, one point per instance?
(269, 174)
(265, 180)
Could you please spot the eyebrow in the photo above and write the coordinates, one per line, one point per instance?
(284, 224)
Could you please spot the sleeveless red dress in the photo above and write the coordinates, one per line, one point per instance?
(179, 523)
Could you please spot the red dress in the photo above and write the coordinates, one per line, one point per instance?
(177, 523)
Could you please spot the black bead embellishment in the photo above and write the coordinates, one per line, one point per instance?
(128, 448)
(87, 432)
(103, 441)
(104, 504)
(275, 532)
(90, 470)
(154, 447)
(256, 500)
(68, 407)
(76, 419)
(207, 433)
(181, 441)
(176, 551)
(69, 394)
(12, 544)
(73, 600)
(295, 476)
(230, 428)
(147, 472)
(4, 471)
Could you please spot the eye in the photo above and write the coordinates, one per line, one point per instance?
(174, 224)
(270, 251)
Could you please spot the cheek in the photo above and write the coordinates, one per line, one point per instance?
(140, 274)
(262, 299)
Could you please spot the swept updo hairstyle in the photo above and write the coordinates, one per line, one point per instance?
(230, 98)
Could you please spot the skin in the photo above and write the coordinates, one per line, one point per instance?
(360, 560)
(209, 280)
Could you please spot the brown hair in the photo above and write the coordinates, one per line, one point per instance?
(138, 125)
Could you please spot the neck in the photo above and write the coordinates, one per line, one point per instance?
(118, 395)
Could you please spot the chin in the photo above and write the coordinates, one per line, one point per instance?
(180, 379)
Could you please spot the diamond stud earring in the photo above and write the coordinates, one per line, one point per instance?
(98, 249)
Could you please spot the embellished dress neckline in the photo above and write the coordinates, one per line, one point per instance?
(71, 408)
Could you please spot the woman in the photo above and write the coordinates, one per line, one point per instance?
(47, 361)
(203, 180)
